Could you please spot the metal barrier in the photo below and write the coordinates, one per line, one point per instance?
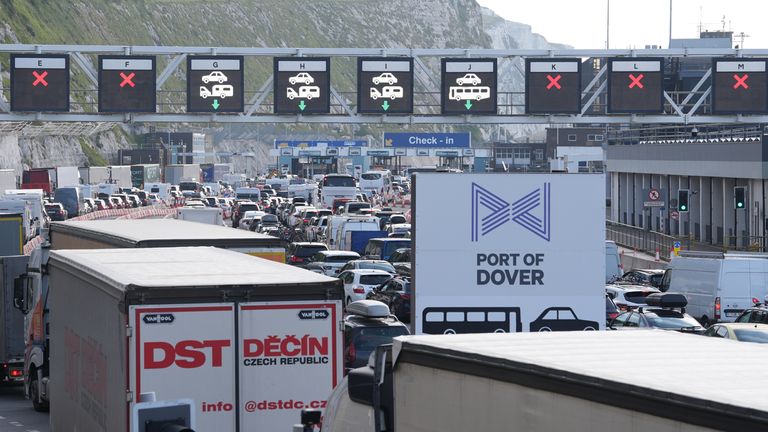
(746, 243)
(639, 239)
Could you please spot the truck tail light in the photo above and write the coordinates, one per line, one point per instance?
(717, 308)
(359, 290)
(15, 373)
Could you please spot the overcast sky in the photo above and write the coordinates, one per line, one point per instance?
(635, 23)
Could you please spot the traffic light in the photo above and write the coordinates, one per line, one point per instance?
(740, 197)
(682, 200)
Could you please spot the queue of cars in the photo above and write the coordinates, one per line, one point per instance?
(641, 300)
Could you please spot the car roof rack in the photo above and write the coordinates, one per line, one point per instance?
(368, 309)
(666, 300)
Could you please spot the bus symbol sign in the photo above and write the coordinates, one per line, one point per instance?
(469, 86)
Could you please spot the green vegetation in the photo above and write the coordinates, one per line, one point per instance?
(94, 157)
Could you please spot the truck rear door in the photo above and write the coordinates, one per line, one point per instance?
(735, 292)
(187, 351)
(290, 360)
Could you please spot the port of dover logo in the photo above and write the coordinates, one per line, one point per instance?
(490, 211)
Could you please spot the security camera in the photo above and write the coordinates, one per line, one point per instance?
(694, 132)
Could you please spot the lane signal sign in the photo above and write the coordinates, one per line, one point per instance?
(635, 85)
(553, 86)
(739, 86)
(39, 82)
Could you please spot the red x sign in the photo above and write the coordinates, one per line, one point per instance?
(40, 78)
(127, 79)
(553, 82)
(740, 81)
(636, 81)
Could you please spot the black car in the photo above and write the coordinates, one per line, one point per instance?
(56, 212)
(364, 331)
(402, 255)
(757, 314)
(396, 294)
(651, 277)
(561, 319)
(665, 311)
(300, 253)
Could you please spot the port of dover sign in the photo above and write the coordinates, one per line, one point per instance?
(523, 252)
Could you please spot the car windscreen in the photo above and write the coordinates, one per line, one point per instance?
(368, 338)
(656, 279)
(248, 207)
(310, 214)
(340, 258)
(637, 296)
(751, 335)
(387, 267)
(308, 251)
(391, 246)
(670, 320)
(357, 206)
(374, 279)
(372, 176)
(339, 182)
(397, 219)
(269, 219)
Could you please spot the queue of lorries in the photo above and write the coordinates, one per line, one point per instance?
(108, 310)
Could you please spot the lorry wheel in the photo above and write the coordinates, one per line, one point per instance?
(33, 394)
(450, 331)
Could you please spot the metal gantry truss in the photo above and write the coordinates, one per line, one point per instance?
(681, 108)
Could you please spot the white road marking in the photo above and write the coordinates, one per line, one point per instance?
(15, 423)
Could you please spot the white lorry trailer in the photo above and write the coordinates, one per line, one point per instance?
(557, 381)
(249, 347)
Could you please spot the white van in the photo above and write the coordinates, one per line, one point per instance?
(33, 197)
(21, 207)
(163, 190)
(613, 269)
(719, 287)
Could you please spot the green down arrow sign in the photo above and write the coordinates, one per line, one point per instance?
(468, 104)
(385, 105)
(302, 105)
(215, 104)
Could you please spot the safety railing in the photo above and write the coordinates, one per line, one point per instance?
(636, 238)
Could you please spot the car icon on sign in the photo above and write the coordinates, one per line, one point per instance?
(468, 79)
(302, 78)
(386, 77)
(561, 319)
(215, 76)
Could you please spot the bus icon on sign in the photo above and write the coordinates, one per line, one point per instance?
(455, 320)
(469, 93)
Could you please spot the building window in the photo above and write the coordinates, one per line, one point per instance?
(538, 154)
(590, 137)
(572, 137)
(599, 138)
(504, 152)
(522, 153)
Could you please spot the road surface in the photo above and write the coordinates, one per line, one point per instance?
(16, 413)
